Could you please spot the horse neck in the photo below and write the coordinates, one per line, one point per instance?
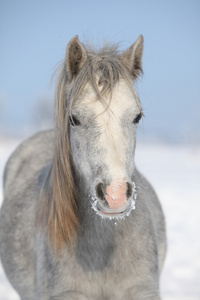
(96, 236)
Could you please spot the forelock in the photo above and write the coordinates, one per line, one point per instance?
(102, 71)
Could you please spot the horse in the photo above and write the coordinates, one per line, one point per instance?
(78, 220)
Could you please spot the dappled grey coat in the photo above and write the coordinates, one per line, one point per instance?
(62, 236)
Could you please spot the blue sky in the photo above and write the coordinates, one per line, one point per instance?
(33, 39)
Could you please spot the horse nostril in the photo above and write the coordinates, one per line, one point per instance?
(99, 191)
(129, 191)
(101, 194)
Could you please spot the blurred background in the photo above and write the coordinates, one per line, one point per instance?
(33, 39)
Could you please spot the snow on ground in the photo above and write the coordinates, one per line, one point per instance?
(174, 172)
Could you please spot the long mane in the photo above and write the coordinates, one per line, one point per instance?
(58, 209)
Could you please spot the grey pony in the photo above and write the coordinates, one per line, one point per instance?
(109, 257)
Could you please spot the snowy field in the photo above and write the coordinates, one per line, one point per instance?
(174, 172)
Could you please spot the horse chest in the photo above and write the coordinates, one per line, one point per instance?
(101, 270)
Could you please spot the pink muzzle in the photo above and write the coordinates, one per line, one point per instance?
(116, 194)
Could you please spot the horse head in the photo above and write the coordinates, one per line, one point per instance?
(102, 123)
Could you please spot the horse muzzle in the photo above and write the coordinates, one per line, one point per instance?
(114, 200)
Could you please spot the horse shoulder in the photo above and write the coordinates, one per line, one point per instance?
(33, 153)
(18, 211)
(154, 207)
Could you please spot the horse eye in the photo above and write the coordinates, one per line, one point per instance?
(137, 119)
(74, 121)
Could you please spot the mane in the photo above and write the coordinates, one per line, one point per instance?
(58, 209)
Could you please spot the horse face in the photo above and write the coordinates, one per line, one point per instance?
(103, 138)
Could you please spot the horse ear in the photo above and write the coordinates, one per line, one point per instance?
(76, 57)
(132, 57)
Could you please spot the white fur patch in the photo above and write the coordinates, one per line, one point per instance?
(109, 121)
